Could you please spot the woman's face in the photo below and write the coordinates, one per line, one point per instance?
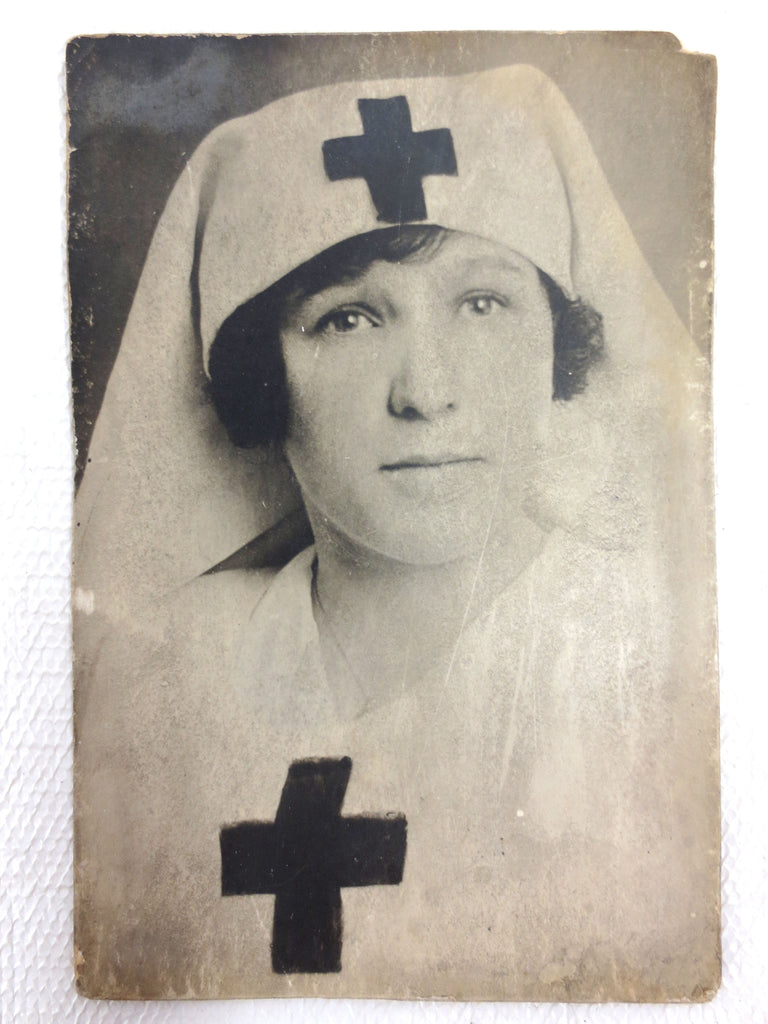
(419, 395)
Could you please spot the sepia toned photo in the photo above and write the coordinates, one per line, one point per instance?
(394, 581)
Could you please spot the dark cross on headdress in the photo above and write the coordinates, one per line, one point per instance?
(392, 158)
(305, 858)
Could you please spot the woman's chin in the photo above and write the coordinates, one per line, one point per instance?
(425, 534)
(433, 543)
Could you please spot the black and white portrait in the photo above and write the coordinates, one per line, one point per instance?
(395, 651)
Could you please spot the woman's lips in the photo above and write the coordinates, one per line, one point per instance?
(428, 462)
(448, 478)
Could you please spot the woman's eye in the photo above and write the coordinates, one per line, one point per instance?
(483, 305)
(344, 321)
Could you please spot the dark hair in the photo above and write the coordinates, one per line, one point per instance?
(248, 381)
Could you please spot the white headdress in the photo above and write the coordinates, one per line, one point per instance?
(499, 154)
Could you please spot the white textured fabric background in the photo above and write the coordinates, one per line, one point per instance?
(36, 978)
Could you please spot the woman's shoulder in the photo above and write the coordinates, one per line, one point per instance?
(218, 605)
(230, 602)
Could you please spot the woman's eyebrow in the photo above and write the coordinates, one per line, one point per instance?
(492, 263)
(332, 293)
(341, 294)
(337, 281)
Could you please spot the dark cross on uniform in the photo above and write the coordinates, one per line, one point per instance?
(392, 158)
(305, 858)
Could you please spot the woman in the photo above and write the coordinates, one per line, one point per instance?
(484, 634)
(409, 375)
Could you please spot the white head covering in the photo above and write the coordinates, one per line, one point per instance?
(166, 496)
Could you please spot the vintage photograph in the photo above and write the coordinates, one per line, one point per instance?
(394, 583)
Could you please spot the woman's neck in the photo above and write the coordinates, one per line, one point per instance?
(394, 626)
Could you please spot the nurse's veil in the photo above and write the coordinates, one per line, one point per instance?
(166, 496)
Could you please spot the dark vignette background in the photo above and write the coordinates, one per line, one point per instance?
(139, 105)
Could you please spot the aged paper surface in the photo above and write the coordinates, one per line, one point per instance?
(394, 577)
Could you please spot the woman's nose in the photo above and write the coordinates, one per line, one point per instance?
(424, 383)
